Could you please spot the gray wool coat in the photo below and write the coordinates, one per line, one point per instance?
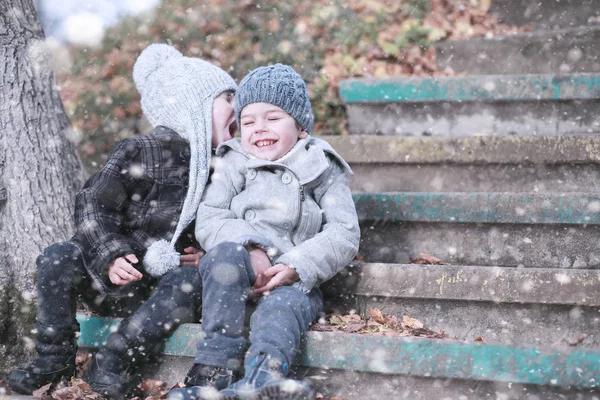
(298, 208)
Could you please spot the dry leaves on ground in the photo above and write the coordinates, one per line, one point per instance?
(573, 341)
(376, 323)
(425, 258)
(4, 389)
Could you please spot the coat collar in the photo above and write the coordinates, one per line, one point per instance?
(307, 159)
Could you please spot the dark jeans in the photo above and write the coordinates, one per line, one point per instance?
(152, 308)
(276, 326)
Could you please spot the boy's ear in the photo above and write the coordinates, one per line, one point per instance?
(302, 134)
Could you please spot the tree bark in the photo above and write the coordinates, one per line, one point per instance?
(40, 171)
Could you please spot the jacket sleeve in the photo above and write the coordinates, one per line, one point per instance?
(100, 206)
(321, 257)
(215, 222)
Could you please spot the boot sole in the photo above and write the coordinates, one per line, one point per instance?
(22, 387)
(112, 393)
(275, 393)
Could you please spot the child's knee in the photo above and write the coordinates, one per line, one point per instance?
(52, 261)
(227, 264)
(227, 252)
(182, 275)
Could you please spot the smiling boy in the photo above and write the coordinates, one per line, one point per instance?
(277, 220)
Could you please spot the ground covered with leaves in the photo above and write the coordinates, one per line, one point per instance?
(376, 323)
(326, 41)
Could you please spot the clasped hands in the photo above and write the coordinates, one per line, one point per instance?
(269, 277)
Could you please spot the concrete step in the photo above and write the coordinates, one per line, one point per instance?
(506, 229)
(340, 363)
(541, 52)
(523, 105)
(538, 306)
(547, 14)
(472, 164)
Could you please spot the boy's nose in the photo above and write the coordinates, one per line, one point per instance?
(260, 127)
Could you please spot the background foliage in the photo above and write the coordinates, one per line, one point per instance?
(324, 40)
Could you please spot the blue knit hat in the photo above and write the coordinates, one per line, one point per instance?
(279, 85)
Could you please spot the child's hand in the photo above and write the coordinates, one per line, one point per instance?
(260, 262)
(278, 275)
(192, 257)
(121, 272)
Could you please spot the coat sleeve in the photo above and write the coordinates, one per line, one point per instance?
(215, 222)
(100, 207)
(321, 257)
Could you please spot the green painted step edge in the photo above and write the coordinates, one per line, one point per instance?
(572, 287)
(472, 88)
(478, 150)
(408, 356)
(501, 208)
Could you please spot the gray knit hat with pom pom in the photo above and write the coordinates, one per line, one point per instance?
(178, 92)
(279, 85)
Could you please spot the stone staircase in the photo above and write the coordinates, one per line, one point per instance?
(495, 172)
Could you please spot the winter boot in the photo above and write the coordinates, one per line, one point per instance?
(203, 382)
(265, 379)
(56, 348)
(41, 371)
(113, 371)
(109, 375)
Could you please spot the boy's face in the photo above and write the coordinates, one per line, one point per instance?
(224, 126)
(268, 132)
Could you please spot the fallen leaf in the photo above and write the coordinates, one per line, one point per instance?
(68, 393)
(373, 324)
(348, 318)
(151, 387)
(410, 322)
(43, 391)
(4, 388)
(478, 339)
(77, 389)
(355, 326)
(82, 363)
(178, 385)
(377, 315)
(391, 321)
(425, 258)
(570, 342)
(359, 258)
(336, 320)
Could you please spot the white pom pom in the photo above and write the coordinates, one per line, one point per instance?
(161, 258)
(152, 58)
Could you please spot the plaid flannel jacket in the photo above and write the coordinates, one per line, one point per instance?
(135, 199)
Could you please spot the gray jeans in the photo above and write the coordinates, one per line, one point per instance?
(276, 326)
(152, 308)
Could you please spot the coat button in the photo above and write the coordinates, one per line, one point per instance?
(251, 174)
(249, 215)
(286, 178)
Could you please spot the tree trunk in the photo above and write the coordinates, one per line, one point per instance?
(40, 171)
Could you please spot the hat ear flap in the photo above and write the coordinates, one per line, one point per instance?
(150, 60)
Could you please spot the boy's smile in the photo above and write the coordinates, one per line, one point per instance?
(268, 132)
(263, 143)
